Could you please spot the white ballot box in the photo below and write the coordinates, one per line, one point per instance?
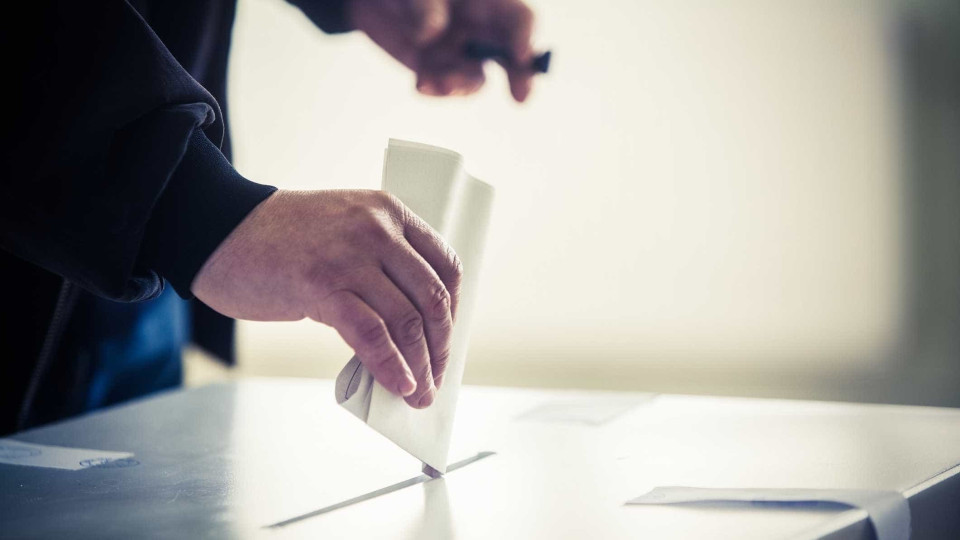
(278, 458)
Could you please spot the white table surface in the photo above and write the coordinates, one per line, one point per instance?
(227, 460)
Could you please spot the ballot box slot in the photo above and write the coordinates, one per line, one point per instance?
(420, 479)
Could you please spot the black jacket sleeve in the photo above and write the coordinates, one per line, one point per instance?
(329, 15)
(101, 118)
(202, 203)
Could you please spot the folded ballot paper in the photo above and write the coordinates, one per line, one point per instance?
(432, 183)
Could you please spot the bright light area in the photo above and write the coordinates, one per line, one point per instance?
(706, 183)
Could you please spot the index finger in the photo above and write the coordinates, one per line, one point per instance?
(367, 334)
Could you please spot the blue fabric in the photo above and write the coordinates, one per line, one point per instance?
(133, 349)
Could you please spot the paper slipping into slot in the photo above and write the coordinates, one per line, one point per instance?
(14, 452)
(888, 511)
(423, 478)
(431, 182)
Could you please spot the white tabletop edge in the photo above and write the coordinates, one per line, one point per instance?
(932, 481)
(856, 515)
(842, 521)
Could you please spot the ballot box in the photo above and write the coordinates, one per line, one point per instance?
(278, 458)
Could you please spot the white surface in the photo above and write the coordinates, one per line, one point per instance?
(568, 480)
(14, 452)
(224, 461)
(592, 411)
(433, 184)
(888, 511)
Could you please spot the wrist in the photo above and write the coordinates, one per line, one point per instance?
(203, 201)
(227, 256)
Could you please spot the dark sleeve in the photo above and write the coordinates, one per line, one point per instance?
(329, 15)
(203, 202)
(100, 119)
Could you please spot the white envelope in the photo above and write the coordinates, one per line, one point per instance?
(431, 181)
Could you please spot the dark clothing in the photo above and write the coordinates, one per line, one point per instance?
(113, 180)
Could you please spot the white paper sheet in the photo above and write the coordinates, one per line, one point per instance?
(887, 510)
(431, 181)
(13, 452)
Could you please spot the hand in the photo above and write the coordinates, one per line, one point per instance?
(428, 36)
(358, 261)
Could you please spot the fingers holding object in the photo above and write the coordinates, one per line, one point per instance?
(421, 284)
(368, 335)
(406, 323)
(459, 79)
(438, 254)
(443, 70)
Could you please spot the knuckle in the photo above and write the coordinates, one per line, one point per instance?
(386, 362)
(410, 329)
(399, 211)
(454, 274)
(390, 200)
(439, 303)
(456, 266)
(422, 372)
(440, 361)
(525, 15)
(358, 212)
(363, 224)
(373, 333)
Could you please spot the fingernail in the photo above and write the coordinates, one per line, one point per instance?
(407, 385)
(427, 398)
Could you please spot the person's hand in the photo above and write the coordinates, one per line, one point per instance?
(428, 36)
(358, 261)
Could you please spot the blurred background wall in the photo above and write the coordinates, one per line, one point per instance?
(729, 197)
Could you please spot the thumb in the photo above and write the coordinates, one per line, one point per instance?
(429, 19)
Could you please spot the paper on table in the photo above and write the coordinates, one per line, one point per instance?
(888, 511)
(432, 183)
(14, 452)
